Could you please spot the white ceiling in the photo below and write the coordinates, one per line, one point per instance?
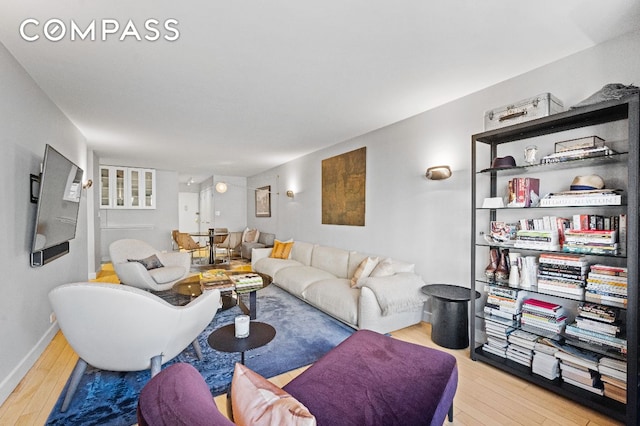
(249, 85)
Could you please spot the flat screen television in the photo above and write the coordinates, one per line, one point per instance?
(58, 205)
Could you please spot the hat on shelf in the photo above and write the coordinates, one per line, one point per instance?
(503, 162)
(587, 183)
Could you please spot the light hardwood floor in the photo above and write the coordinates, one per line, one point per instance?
(485, 395)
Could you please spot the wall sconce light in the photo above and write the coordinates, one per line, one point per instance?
(438, 172)
(290, 194)
(88, 184)
(221, 187)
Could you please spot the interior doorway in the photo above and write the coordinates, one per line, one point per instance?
(188, 212)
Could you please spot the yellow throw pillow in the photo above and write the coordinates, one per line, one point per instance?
(257, 402)
(281, 249)
(363, 270)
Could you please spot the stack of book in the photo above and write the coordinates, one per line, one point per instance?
(542, 239)
(523, 192)
(598, 325)
(498, 330)
(591, 241)
(543, 316)
(607, 284)
(247, 282)
(216, 280)
(503, 302)
(562, 274)
(520, 349)
(596, 197)
(582, 377)
(545, 363)
(613, 373)
(579, 368)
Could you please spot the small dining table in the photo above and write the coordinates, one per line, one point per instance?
(215, 238)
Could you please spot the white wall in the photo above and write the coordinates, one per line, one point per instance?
(408, 216)
(229, 209)
(28, 121)
(151, 225)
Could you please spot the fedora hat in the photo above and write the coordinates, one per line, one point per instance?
(587, 183)
(503, 162)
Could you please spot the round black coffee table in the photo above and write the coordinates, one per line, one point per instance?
(449, 314)
(224, 338)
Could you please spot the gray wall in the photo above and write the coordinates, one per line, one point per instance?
(407, 216)
(29, 120)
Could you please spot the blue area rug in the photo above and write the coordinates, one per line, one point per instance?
(303, 334)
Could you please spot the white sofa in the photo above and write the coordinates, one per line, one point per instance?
(321, 276)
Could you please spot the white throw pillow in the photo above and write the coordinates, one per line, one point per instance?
(250, 235)
(363, 271)
(383, 269)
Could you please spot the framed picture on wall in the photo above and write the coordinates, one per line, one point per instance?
(263, 201)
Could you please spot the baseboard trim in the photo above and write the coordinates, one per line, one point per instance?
(9, 384)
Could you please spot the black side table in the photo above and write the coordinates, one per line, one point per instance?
(224, 338)
(449, 314)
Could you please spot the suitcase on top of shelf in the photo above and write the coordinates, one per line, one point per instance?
(528, 109)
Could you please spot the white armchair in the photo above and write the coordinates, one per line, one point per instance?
(120, 328)
(175, 265)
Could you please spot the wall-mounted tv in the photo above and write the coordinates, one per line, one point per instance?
(58, 204)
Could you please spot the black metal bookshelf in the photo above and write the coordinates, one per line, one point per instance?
(490, 143)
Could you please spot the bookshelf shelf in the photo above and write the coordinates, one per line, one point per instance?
(617, 121)
(567, 164)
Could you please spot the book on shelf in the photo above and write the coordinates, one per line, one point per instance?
(607, 289)
(614, 392)
(622, 384)
(590, 249)
(554, 289)
(601, 313)
(616, 364)
(601, 236)
(615, 374)
(503, 232)
(596, 337)
(587, 377)
(545, 365)
(595, 277)
(575, 356)
(498, 313)
(591, 296)
(563, 259)
(523, 192)
(609, 270)
(511, 293)
(543, 306)
(562, 271)
(613, 329)
(598, 391)
(573, 199)
(524, 339)
(501, 352)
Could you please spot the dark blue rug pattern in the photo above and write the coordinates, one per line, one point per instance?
(303, 334)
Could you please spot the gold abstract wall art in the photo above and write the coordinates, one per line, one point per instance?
(343, 188)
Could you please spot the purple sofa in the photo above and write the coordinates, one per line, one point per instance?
(369, 379)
